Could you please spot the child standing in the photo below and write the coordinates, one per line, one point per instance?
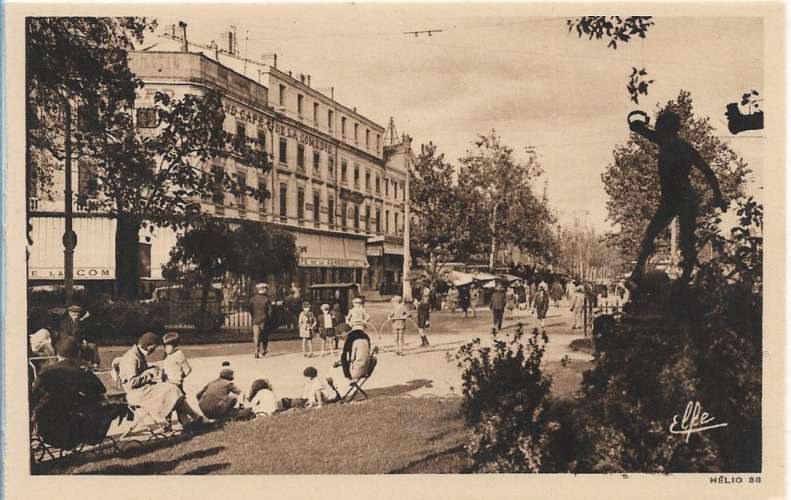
(327, 329)
(358, 317)
(307, 323)
(424, 316)
(398, 316)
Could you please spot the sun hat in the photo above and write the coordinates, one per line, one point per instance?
(226, 373)
(170, 338)
(261, 285)
(325, 307)
(306, 304)
(149, 339)
(74, 308)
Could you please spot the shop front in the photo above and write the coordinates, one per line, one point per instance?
(386, 261)
(330, 258)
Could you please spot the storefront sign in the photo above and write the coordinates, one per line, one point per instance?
(246, 115)
(80, 273)
(301, 137)
(373, 252)
(330, 262)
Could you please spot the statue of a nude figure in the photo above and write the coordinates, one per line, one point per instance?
(678, 198)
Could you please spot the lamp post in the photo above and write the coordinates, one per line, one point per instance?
(406, 291)
(69, 236)
(494, 235)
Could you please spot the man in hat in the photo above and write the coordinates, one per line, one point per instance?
(221, 398)
(261, 310)
(497, 305)
(69, 404)
(70, 327)
(145, 385)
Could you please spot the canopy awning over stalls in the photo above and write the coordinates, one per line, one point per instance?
(509, 278)
(457, 278)
(484, 277)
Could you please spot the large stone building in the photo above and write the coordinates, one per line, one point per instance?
(333, 182)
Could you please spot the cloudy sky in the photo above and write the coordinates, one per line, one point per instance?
(501, 68)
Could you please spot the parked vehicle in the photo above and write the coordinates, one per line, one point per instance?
(182, 307)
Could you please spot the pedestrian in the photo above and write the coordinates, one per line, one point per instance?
(453, 299)
(261, 309)
(577, 305)
(307, 323)
(221, 399)
(327, 330)
(358, 317)
(556, 292)
(340, 323)
(542, 304)
(424, 316)
(497, 305)
(521, 295)
(510, 302)
(464, 299)
(70, 326)
(398, 316)
(475, 294)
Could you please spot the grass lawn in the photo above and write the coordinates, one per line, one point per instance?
(398, 434)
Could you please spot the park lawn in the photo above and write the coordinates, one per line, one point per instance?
(398, 434)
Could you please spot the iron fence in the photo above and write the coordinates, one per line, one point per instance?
(597, 306)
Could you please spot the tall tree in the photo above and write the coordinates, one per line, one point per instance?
(445, 227)
(632, 182)
(501, 186)
(144, 177)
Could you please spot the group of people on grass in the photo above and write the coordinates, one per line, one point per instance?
(70, 404)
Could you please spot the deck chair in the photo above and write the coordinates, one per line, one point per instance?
(356, 386)
(144, 424)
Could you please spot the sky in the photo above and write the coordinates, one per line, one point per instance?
(500, 68)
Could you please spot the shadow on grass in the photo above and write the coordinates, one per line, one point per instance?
(401, 389)
(163, 466)
(455, 454)
(207, 469)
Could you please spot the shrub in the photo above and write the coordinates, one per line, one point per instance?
(515, 427)
(122, 320)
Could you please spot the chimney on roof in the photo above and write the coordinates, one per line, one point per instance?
(275, 61)
(289, 72)
(308, 80)
(355, 109)
(301, 78)
(184, 44)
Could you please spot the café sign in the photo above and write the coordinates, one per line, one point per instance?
(330, 262)
(80, 273)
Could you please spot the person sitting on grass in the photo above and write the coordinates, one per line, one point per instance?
(145, 385)
(398, 316)
(317, 392)
(307, 323)
(220, 399)
(327, 333)
(69, 404)
(261, 399)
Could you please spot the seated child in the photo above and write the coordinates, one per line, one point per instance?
(221, 399)
(317, 392)
(261, 398)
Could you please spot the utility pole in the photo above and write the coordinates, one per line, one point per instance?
(69, 236)
(407, 282)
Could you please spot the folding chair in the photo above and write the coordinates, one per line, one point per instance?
(356, 386)
(147, 425)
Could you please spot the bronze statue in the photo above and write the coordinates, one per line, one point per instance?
(678, 197)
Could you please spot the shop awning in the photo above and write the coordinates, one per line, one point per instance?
(509, 278)
(484, 277)
(326, 250)
(458, 278)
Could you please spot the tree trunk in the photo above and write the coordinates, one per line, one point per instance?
(127, 260)
(204, 298)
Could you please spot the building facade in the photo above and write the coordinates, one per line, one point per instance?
(333, 183)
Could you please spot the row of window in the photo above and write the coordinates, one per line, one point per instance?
(283, 158)
(330, 120)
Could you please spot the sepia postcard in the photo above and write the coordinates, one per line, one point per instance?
(394, 250)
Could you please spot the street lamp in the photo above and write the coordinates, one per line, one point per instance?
(69, 236)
